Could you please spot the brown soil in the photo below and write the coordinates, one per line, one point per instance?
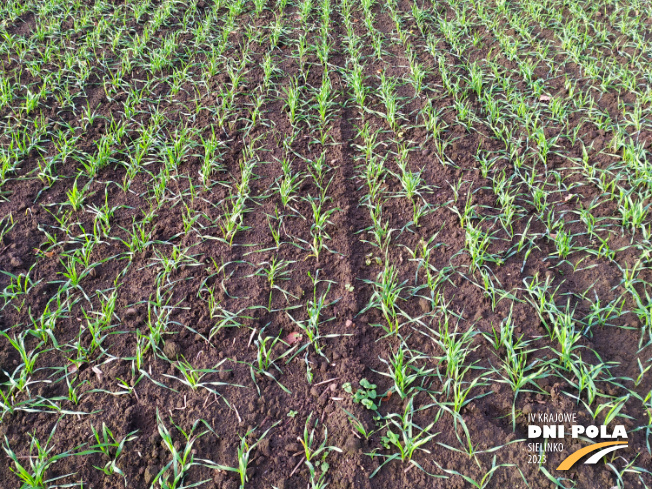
(355, 350)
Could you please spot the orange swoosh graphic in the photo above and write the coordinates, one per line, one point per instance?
(574, 457)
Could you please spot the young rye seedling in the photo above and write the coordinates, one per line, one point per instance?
(404, 371)
(40, 460)
(314, 309)
(315, 457)
(172, 475)
(404, 436)
(386, 293)
(243, 455)
(111, 448)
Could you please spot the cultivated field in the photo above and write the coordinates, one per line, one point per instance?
(309, 243)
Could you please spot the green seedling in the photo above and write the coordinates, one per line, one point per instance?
(244, 451)
(365, 395)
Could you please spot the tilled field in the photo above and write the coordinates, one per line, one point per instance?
(310, 243)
